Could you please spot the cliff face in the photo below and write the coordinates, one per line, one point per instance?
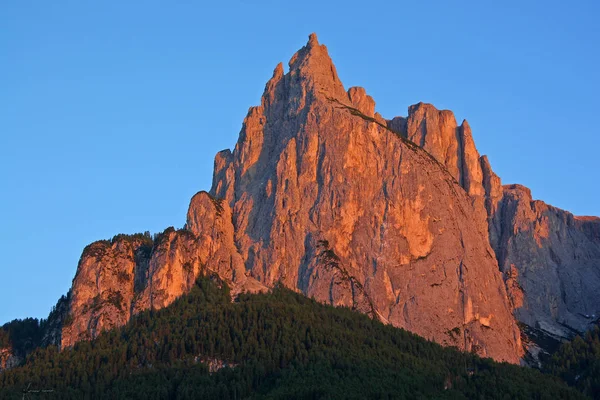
(130, 274)
(401, 219)
(550, 258)
(103, 288)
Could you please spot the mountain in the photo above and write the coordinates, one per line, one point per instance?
(400, 219)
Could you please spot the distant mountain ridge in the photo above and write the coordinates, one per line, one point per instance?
(401, 219)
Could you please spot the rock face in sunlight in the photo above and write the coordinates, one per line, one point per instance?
(8, 359)
(103, 287)
(400, 219)
(117, 279)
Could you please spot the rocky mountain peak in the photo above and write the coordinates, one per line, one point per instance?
(400, 219)
(329, 198)
(312, 40)
(437, 132)
(312, 68)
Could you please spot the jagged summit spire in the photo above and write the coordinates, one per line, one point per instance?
(278, 71)
(315, 69)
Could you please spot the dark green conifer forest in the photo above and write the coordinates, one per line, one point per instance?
(282, 345)
(578, 363)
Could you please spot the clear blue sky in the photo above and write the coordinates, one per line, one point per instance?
(111, 113)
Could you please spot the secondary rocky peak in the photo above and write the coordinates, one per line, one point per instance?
(273, 88)
(278, 72)
(422, 108)
(104, 285)
(205, 210)
(362, 101)
(437, 132)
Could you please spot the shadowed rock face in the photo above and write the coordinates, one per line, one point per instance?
(400, 219)
(550, 258)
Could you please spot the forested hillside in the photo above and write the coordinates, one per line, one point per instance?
(578, 363)
(275, 345)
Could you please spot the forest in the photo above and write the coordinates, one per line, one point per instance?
(280, 345)
(578, 363)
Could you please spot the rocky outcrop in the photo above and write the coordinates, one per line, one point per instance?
(8, 359)
(103, 288)
(179, 257)
(119, 278)
(436, 132)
